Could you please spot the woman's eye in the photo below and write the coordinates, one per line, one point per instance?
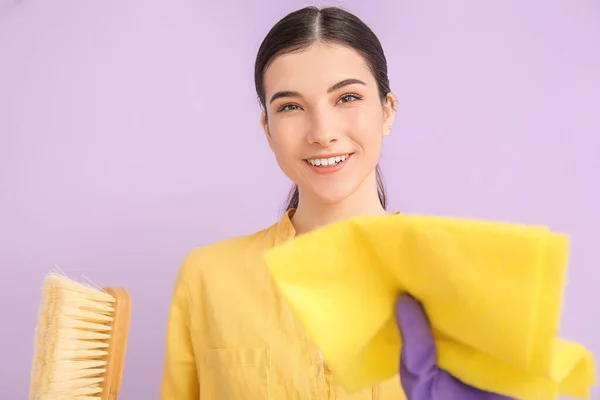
(289, 107)
(347, 98)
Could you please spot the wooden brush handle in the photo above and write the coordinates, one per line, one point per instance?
(117, 343)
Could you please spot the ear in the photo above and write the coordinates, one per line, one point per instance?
(265, 125)
(389, 113)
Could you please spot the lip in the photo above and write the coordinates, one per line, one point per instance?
(329, 170)
(327, 155)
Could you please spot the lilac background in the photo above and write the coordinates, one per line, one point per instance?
(129, 133)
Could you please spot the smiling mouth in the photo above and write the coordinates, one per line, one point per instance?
(328, 162)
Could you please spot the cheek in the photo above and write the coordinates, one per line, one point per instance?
(285, 141)
(365, 128)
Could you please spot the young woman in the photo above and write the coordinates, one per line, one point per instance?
(321, 77)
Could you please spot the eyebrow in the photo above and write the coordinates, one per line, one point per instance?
(337, 86)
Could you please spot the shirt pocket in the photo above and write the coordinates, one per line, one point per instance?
(240, 373)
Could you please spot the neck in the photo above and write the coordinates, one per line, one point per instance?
(312, 213)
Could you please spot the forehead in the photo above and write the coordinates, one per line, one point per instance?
(317, 67)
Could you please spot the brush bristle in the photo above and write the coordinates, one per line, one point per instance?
(71, 341)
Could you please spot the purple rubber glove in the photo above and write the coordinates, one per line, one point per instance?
(420, 376)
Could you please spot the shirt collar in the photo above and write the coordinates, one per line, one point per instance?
(284, 228)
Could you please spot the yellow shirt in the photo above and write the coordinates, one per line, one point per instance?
(231, 336)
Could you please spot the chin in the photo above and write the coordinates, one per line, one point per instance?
(333, 195)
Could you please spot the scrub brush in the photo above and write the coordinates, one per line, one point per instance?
(80, 341)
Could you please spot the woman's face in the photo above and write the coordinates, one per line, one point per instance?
(325, 121)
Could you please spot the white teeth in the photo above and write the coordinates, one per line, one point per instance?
(327, 162)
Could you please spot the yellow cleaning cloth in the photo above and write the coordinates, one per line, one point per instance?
(492, 291)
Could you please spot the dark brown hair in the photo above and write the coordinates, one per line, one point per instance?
(302, 28)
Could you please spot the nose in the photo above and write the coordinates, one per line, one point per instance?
(322, 130)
